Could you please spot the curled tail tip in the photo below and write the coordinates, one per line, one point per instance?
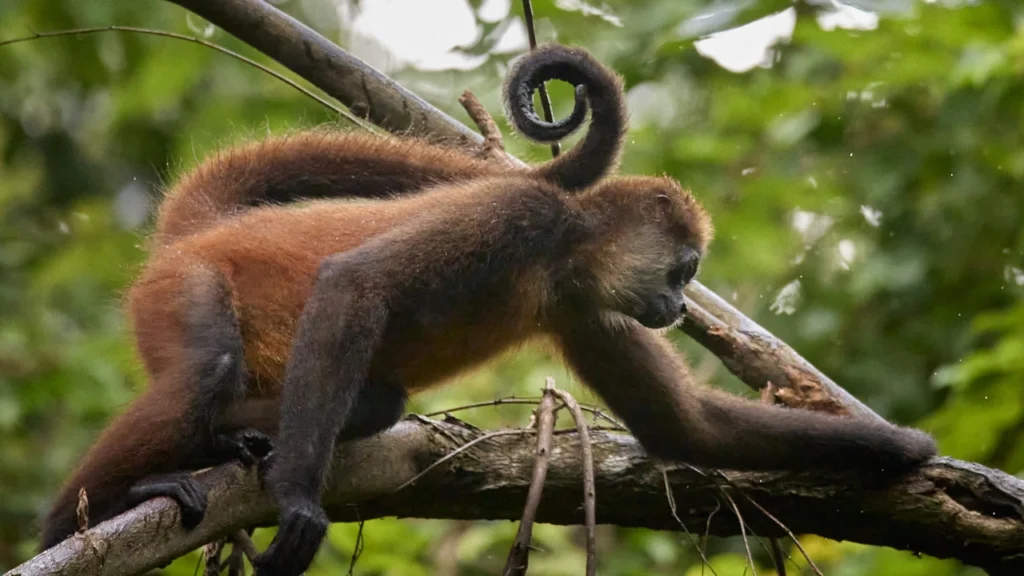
(596, 87)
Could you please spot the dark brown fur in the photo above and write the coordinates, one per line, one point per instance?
(313, 320)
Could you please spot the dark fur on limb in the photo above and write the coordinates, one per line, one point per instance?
(947, 509)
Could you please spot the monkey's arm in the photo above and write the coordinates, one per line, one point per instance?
(339, 332)
(643, 379)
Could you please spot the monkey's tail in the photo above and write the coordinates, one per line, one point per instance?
(144, 440)
(596, 86)
(308, 165)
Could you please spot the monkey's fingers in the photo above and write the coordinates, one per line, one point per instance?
(246, 446)
(302, 529)
(180, 487)
(259, 444)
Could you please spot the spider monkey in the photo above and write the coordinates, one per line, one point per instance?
(304, 286)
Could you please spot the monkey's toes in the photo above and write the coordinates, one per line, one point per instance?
(180, 487)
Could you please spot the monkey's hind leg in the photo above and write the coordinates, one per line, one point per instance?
(147, 450)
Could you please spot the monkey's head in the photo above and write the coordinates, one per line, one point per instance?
(650, 236)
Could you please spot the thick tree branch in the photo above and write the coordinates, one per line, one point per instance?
(949, 509)
(747, 350)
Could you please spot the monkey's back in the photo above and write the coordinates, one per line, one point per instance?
(268, 259)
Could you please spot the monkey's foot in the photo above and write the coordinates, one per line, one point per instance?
(246, 446)
(302, 529)
(180, 487)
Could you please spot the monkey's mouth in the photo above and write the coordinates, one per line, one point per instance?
(657, 319)
(662, 311)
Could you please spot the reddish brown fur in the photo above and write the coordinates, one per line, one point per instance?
(312, 164)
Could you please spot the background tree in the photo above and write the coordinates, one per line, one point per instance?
(865, 183)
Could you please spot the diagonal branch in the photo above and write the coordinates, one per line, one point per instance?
(948, 509)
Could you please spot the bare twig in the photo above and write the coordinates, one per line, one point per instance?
(545, 102)
(597, 412)
(242, 541)
(589, 487)
(784, 528)
(151, 32)
(458, 451)
(519, 554)
(675, 514)
(779, 556)
(235, 562)
(82, 510)
(743, 529)
(768, 397)
(493, 148)
(357, 550)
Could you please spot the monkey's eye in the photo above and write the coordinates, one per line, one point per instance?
(690, 266)
(684, 272)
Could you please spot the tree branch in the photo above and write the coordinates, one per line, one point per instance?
(948, 509)
(749, 351)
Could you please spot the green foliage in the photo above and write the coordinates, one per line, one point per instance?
(872, 177)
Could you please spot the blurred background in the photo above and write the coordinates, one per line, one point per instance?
(863, 162)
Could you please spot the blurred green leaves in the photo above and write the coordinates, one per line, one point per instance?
(879, 167)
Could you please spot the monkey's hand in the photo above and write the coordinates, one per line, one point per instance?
(303, 525)
(247, 446)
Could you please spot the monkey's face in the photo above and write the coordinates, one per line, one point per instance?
(650, 248)
(652, 290)
(661, 303)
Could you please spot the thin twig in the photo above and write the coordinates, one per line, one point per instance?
(241, 540)
(459, 450)
(545, 102)
(589, 486)
(597, 412)
(235, 562)
(743, 529)
(784, 527)
(519, 554)
(779, 556)
(357, 551)
(675, 514)
(768, 397)
(152, 32)
(82, 510)
(493, 148)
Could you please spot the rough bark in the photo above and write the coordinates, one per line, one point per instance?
(749, 351)
(949, 509)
